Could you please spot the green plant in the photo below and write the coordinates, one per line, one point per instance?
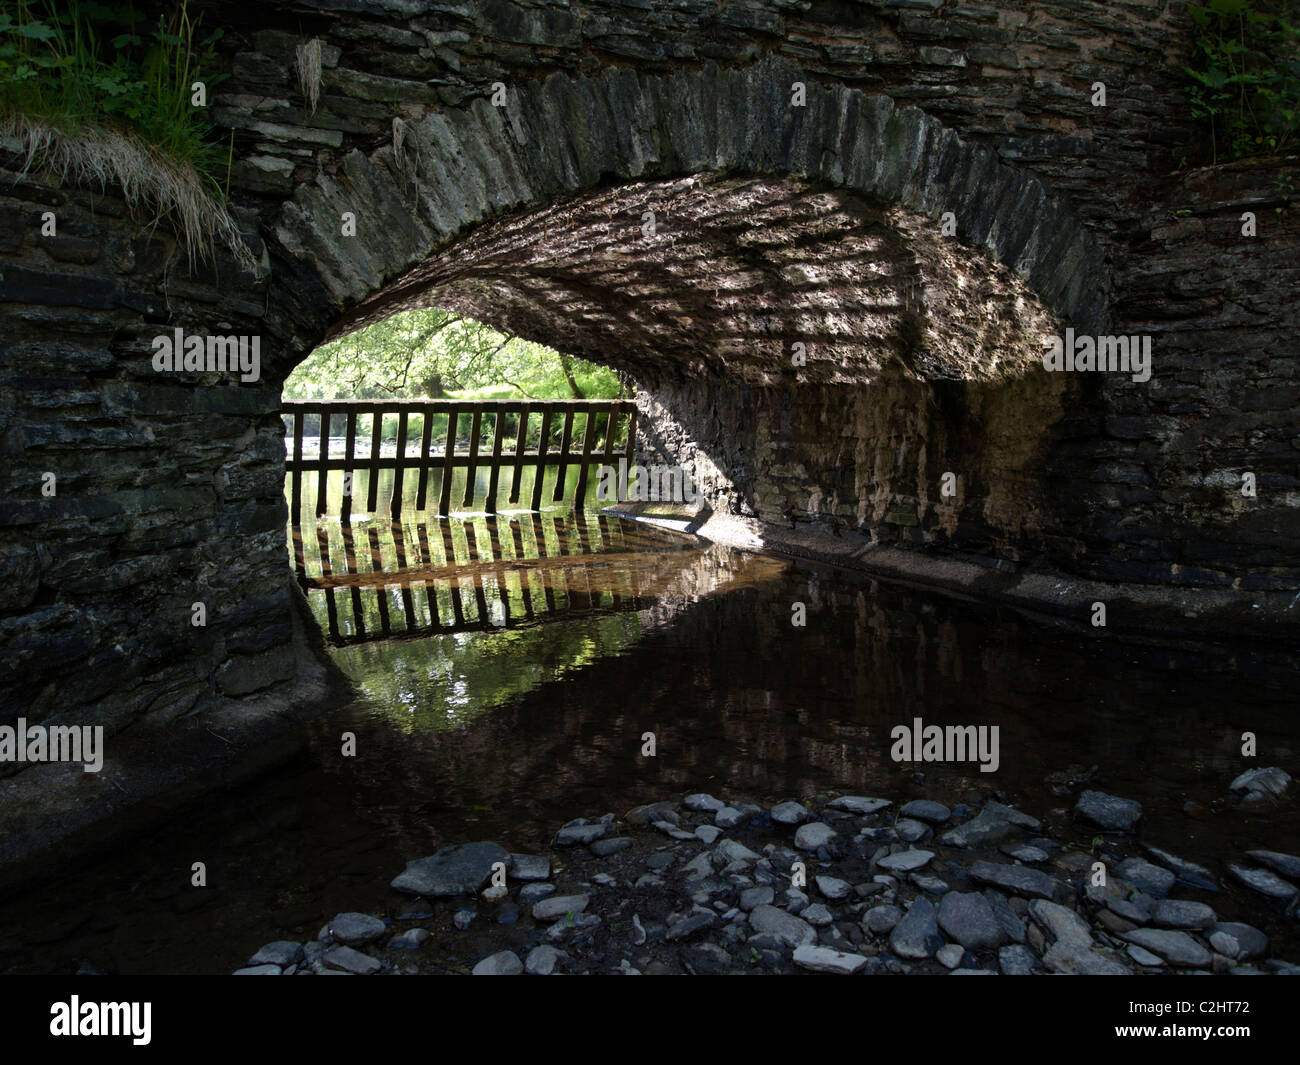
(1245, 75)
(78, 63)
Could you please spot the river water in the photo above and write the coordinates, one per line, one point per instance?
(508, 669)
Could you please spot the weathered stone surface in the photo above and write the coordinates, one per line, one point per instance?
(995, 822)
(788, 928)
(456, 870)
(968, 919)
(1016, 879)
(917, 934)
(1177, 948)
(1108, 811)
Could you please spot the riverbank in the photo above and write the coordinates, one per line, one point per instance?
(844, 884)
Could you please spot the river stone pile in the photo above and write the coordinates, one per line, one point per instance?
(847, 885)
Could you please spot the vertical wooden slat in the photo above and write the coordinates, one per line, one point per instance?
(348, 486)
(541, 459)
(425, 439)
(566, 441)
(395, 509)
(476, 424)
(322, 475)
(611, 432)
(498, 427)
(299, 416)
(588, 440)
(630, 449)
(521, 441)
(444, 497)
(376, 442)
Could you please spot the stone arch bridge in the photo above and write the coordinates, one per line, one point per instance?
(918, 191)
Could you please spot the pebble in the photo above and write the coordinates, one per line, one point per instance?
(1177, 948)
(817, 915)
(502, 963)
(927, 810)
(992, 824)
(708, 833)
(1015, 878)
(1264, 881)
(950, 956)
(1108, 811)
(790, 813)
(703, 803)
(1017, 960)
(350, 961)
(259, 970)
(756, 896)
(905, 861)
(462, 919)
(789, 929)
(910, 831)
(541, 960)
(603, 848)
(411, 939)
(859, 804)
(1180, 913)
(917, 934)
(559, 906)
(1286, 864)
(811, 836)
(1269, 783)
(356, 928)
(824, 960)
(456, 870)
(881, 919)
(968, 919)
(1189, 873)
(531, 893)
(728, 817)
(833, 888)
(573, 835)
(282, 953)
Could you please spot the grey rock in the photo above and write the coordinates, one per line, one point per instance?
(789, 929)
(1017, 960)
(910, 831)
(603, 848)
(950, 956)
(1177, 948)
(833, 888)
(729, 817)
(1108, 811)
(529, 866)
(1072, 951)
(1144, 957)
(968, 919)
(917, 934)
(1189, 873)
(824, 960)
(1238, 941)
(994, 823)
(662, 860)
(932, 885)
(927, 810)
(502, 963)
(704, 803)
(531, 893)
(559, 906)
(729, 850)
(1286, 864)
(690, 927)
(905, 861)
(541, 960)
(1017, 879)
(708, 833)
(1270, 782)
(1180, 913)
(657, 811)
(790, 813)
(1264, 881)
(814, 835)
(456, 870)
(266, 969)
(881, 919)
(462, 919)
(1007, 918)
(573, 835)
(411, 939)
(282, 953)
(859, 804)
(356, 928)
(350, 961)
(1025, 853)
(816, 915)
(1153, 879)
(756, 896)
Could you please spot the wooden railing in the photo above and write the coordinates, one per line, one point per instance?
(442, 454)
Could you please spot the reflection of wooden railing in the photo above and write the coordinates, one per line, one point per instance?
(595, 449)
(432, 583)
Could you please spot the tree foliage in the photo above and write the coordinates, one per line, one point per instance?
(427, 353)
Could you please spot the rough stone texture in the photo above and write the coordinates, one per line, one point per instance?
(169, 487)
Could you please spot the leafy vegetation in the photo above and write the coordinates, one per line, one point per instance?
(1245, 75)
(76, 63)
(429, 354)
